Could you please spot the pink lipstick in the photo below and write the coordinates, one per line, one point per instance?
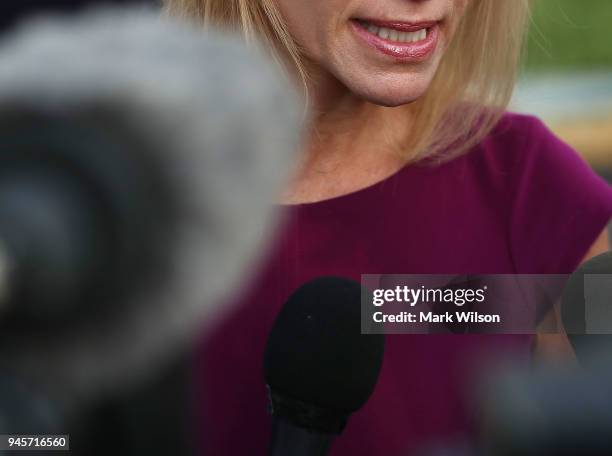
(414, 42)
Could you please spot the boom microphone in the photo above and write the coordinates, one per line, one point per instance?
(319, 368)
(139, 162)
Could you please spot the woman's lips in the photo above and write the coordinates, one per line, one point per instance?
(405, 41)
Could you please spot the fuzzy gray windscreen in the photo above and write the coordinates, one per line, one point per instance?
(225, 125)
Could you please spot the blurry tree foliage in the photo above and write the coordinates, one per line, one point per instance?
(570, 35)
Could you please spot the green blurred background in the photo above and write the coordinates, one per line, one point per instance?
(570, 34)
(567, 76)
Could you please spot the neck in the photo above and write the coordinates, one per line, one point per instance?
(351, 143)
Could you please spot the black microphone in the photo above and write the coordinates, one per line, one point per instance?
(587, 312)
(319, 368)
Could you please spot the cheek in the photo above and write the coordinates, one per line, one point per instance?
(297, 19)
(309, 22)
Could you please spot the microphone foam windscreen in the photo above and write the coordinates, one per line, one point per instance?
(221, 123)
(316, 353)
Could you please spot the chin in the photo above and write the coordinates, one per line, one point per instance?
(392, 98)
(390, 92)
(385, 86)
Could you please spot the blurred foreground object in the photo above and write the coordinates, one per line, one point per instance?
(586, 311)
(12, 11)
(562, 411)
(140, 160)
(552, 412)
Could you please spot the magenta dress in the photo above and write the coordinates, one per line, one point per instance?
(521, 201)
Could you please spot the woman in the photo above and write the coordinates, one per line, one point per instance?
(411, 166)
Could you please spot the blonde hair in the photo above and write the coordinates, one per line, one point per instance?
(472, 87)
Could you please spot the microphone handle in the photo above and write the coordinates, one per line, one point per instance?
(291, 440)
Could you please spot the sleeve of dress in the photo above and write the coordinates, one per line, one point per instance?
(560, 205)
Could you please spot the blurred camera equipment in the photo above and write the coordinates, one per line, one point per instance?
(560, 410)
(140, 160)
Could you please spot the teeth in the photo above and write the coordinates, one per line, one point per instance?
(395, 35)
